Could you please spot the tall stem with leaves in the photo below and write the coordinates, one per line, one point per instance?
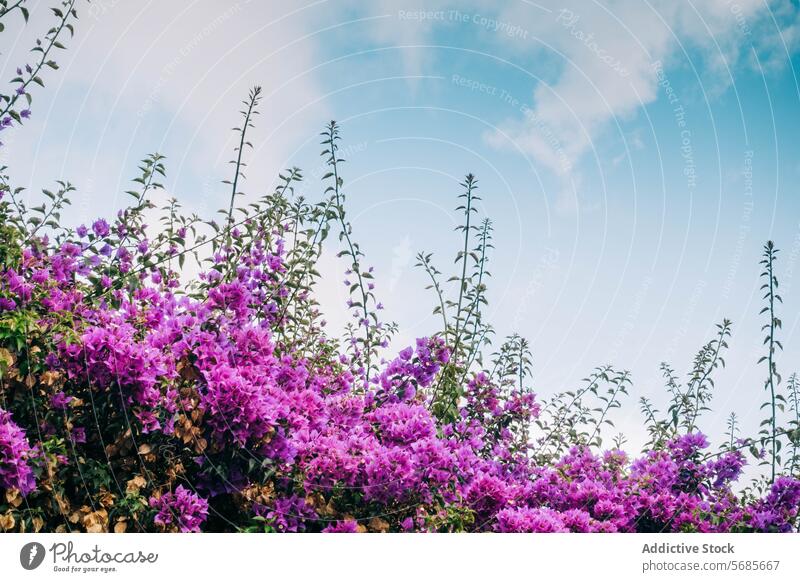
(477, 297)
(31, 74)
(568, 412)
(250, 110)
(470, 184)
(5, 10)
(707, 360)
(733, 430)
(352, 251)
(793, 433)
(424, 261)
(770, 288)
(512, 363)
(658, 430)
(611, 400)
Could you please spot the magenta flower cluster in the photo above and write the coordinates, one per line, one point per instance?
(137, 397)
(16, 456)
(182, 508)
(290, 438)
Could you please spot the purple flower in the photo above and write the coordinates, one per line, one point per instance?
(15, 456)
(688, 445)
(240, 409)
(289, 514)
(780, 508)
(346, 526)
(60, 401)
(530, 520)
(101, 228)
(78, 434)
(182, 509)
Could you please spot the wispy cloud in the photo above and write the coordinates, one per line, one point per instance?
(606, 59)
(146, 76)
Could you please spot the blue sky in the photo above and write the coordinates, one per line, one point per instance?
(634, 156)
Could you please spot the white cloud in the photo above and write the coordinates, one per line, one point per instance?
(166, 76)
(605, 53)
(608, 74)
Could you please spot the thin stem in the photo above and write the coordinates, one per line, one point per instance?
(770, 328)
(619, 383)
(251, 103)
(475, 306)
(34, 74)
(306, 256)
(697, 384)
(6, 11)
(429, 269)
(354, 253)
(470, 185)
(770, 355)
(601, 374)
(794, 398)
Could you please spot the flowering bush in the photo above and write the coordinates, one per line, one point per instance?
(15, 457)
(136, 397)
(182, 509)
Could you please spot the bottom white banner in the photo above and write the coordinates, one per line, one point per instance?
(420, 556)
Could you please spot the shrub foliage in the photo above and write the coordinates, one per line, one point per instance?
(178, 376)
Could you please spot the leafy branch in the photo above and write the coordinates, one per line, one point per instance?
(775, 402)
(250, 110)
(31, 74)
(367, 319)
(6, 10)
(793, 387)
